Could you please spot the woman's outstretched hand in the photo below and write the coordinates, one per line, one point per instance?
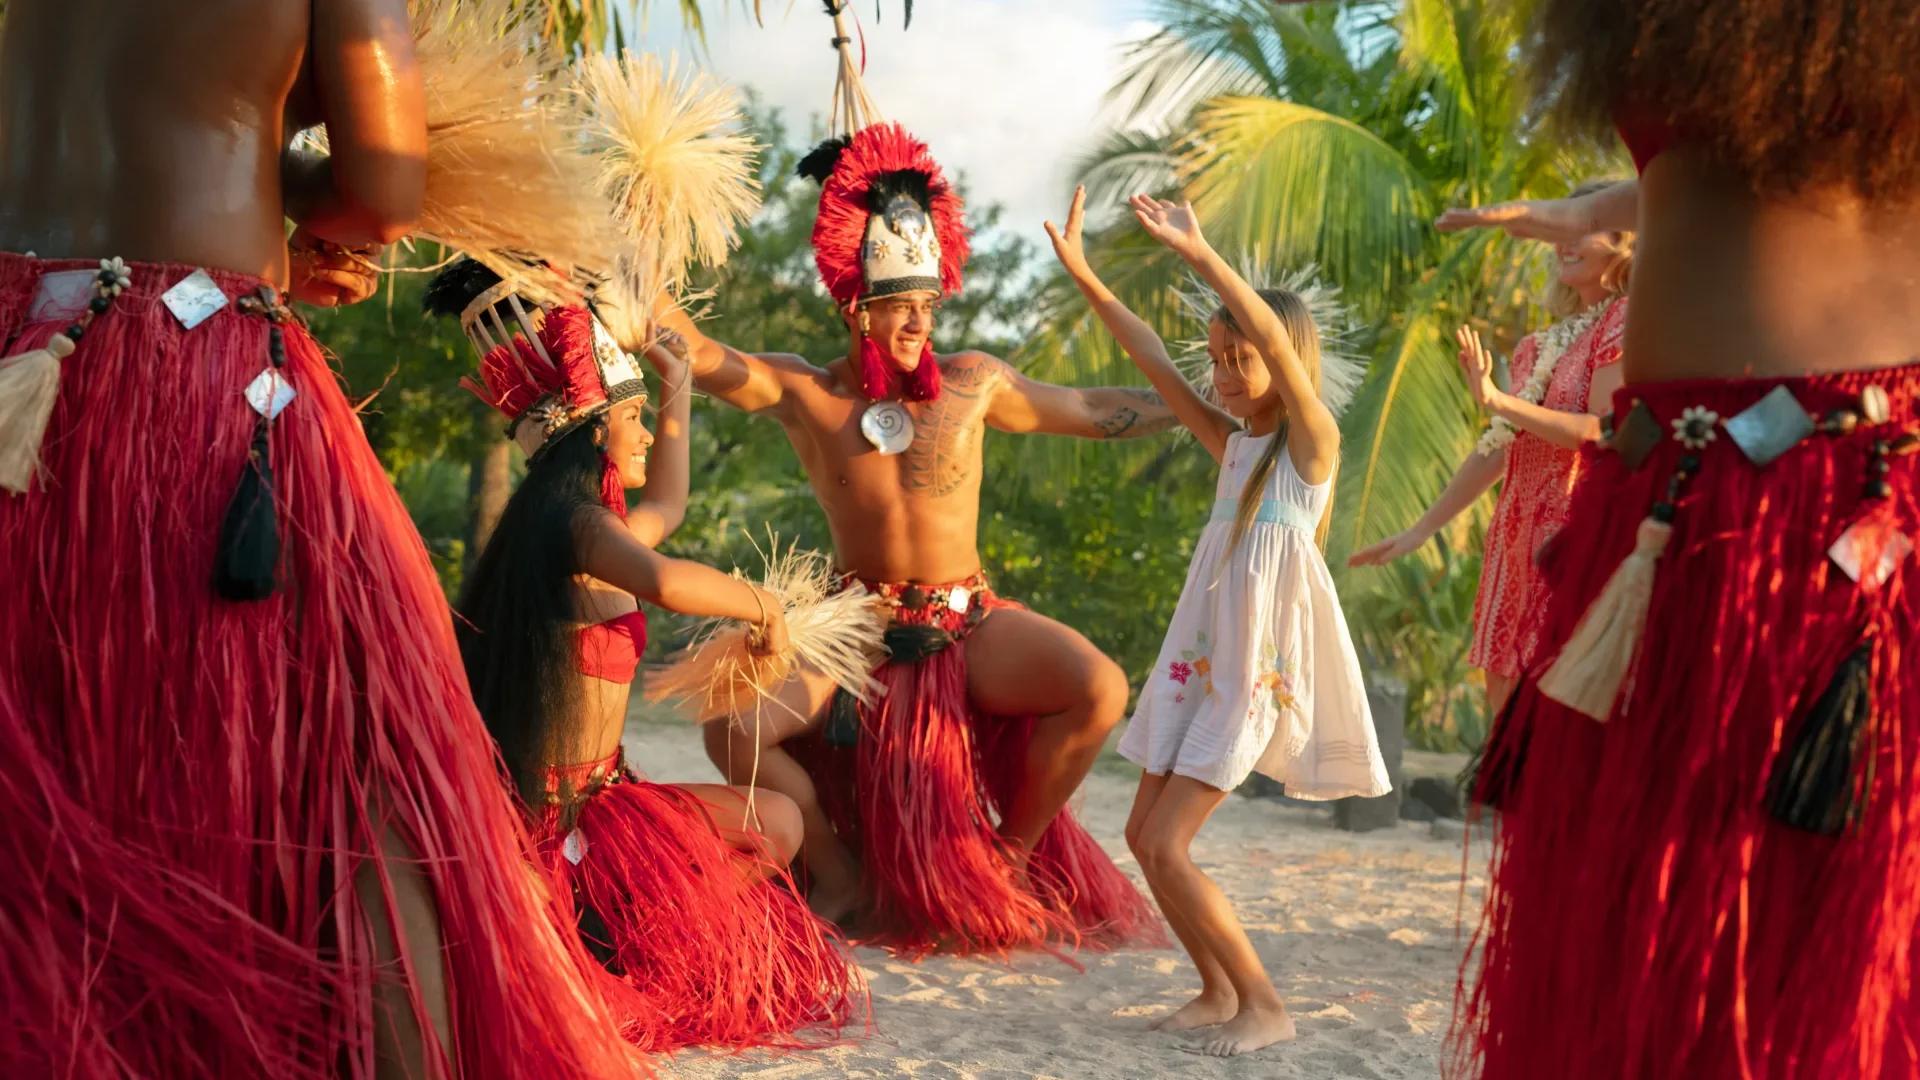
(1556, 221)
(1477, 362)
(1173, 224)
(1066, 242)
(1384, 552)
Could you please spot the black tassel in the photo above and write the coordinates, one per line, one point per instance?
(247, 565)
(843, 720)
(908, 643)
(1819, 784)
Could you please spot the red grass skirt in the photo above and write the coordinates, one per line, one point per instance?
(190, 785)
(695, 952)
(918, 798)
(1647, 916)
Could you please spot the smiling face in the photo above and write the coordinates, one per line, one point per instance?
(1584, 265)
(627, 442)
(1240, 374)
(901, 326)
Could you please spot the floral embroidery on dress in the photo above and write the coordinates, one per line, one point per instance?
(1280, 679)
(1192, 662)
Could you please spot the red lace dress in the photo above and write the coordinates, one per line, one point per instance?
(1533, 502)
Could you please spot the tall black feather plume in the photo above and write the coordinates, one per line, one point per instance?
(906, 182)
(819, 162)
(452, 289)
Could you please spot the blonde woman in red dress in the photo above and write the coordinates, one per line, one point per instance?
(1563, 378)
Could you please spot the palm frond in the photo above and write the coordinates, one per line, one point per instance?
(1123, 163)
(1412, 422)
(1433, 59)
(1202, 50)
(1291, 185)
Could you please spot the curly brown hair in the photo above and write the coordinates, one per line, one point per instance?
(1789, 95)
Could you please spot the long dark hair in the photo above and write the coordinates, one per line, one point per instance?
(517, 612)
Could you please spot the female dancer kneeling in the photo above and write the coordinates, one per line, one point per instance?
(1564, 378)
(681, 889)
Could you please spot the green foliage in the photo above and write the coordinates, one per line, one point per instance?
(1425, 624)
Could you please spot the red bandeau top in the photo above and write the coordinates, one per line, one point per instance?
(611, 650)
(1645, 134)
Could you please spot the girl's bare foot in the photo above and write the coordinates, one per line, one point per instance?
(1204, 1011)
(1256, 1026)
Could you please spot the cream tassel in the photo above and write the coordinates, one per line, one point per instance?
(29, 383)
(1593, 665)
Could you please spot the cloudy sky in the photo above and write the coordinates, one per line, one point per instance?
(1006, 92)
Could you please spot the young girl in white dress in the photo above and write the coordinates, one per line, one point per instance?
(1258, 671)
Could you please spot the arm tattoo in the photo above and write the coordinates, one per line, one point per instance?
(1126, 422)
(1117, 424)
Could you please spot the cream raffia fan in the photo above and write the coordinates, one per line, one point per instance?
(507, 182)
(674, 170)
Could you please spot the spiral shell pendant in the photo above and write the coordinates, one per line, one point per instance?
(888, 426)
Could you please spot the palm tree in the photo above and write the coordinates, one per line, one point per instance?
(1330, 134)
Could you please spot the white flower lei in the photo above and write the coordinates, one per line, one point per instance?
(1552, 344)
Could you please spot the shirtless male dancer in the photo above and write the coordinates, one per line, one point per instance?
(890, 437)
(240, 808)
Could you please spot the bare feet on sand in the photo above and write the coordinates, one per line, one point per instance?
(841, 907)
(1203, 1011)
(1256, 1026)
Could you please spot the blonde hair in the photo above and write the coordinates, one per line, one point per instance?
(1563, 299)
(1299, 325)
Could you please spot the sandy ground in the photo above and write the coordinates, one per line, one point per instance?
(1361, 933)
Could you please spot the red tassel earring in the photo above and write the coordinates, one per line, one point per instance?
(924, 383)
(876, 371)
(613, 492)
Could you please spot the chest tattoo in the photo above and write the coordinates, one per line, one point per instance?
(938, 462)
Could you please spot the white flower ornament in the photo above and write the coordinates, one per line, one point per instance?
(1695, 427)
(114, 276)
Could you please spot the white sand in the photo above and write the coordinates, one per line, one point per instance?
(1359, 931)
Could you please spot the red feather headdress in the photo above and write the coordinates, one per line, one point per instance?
(566, 373)
(860, 177)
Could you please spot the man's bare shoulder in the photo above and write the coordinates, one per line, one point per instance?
(971, 369)
(798, 374)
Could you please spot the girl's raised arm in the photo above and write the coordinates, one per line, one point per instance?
(1176, 226)
(1209, 423)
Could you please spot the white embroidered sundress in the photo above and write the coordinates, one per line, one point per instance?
(1258, 672)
